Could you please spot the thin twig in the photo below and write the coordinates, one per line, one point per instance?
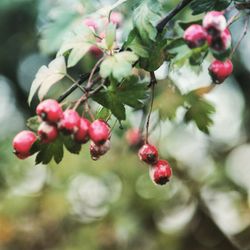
(160, 26)
(234, 18)
(153, 82)
(241, 37)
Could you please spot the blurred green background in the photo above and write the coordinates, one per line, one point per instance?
(112, 203)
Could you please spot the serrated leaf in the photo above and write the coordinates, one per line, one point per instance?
(131, 92)
(169, 101)
(144, 18)
(78, 43)
(46, 77)
(118, 65)
(199, 111)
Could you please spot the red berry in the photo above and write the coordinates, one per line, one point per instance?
(98, 150)
(219, 70)
(70, 122)
(47, 132)
(195, 36)
(49, 110)
(148, 153)
(82, 135)
(214, 22)
(161, 172)
(134, 137)
(99, 132)
(222, 42)
(22, 143)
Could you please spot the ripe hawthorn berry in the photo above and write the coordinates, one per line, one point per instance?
(47, 132)
(134, 137)
(148, 153)
(222, 42)
(22, 143)
(214, 22)
(98, 150)
(195, 36)
(82, 135)
(99, 132)
(49, 110)
(70, 122)
(161, 172)
(220, 70)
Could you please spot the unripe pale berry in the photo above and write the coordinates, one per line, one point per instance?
(116, 18)
(99, 132)
(22, 143)
(82, 135)
(98, 150)
(148, 153)
(220, 70)
(47, 132)
(195, 36)
(222, 42)
(70, 122)
(49, 110)
(214, 22)
(91, 23)
(161, 172)
(134, 137)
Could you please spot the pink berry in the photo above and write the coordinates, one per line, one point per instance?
(148, 153)
(98, 150)
(116, 18)
(47, 132)
(195, 36)
(134, 137)
(82, 135)
(161, 172)
(99, 132)
(214, 22)
(222, 42)
(49, 110)
(70, 122)
(220, 70)
(22, 143)
(91, 23)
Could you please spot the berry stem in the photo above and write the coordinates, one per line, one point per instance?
(152, 84)
(76, 82)
(243, 34)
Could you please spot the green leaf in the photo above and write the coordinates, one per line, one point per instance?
(109, 100)
(135, 43)
(119, 65)
(200, 6)
(169, 101)
(33, 123)
(103, 114)
(144, 17)
(110, 35)
(71, 145)
(78, 43)
(131, 92)
(46, 77)
(199, 111)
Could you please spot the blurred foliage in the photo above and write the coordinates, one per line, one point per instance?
(112, 204)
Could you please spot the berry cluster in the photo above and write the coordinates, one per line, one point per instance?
(53, 121)
(213, 31)
(160, 170)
